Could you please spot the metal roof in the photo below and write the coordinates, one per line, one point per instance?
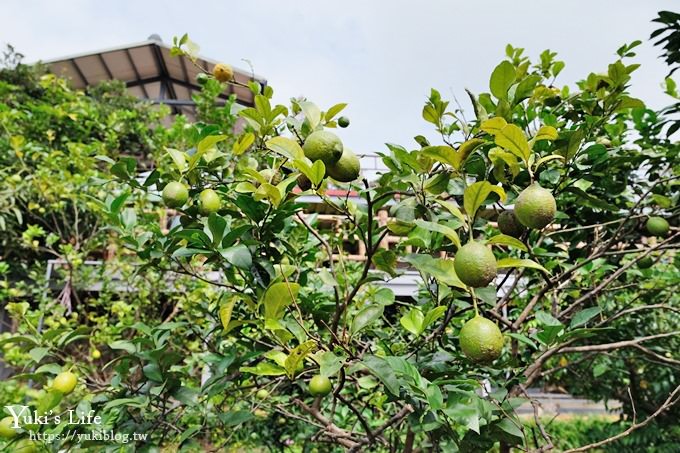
(150, 73)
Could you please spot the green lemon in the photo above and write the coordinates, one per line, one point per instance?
(208, 202)
(262, 394)
(175, 194)
(202, 78)
(657, 226)
(346, 169)
(646, 262)
(96, 354)
(223, 72)
(7, 429)
(475, 264)
(343, 121)
(324, 146)
(509, 224)
(535, 207)
(65, 382)
(481, 340)
(25, 446)
(320, 385)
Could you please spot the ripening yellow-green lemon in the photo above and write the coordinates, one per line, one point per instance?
(175, 194)
(535, 207)
(320, 385)
(65, 382)
(209, 202)
(7, 430)
(346, 169)
(324, 146)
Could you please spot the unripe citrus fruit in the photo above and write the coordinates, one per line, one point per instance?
(65, 382)
(96, 354)
(262, 394)
(223, 72)
(346, 169)
(564, 362)
(481, 340)
(175, 194)
(209, 201)
(535, 207)
(7, 430)
(475, 264)
(24, 446)
(320, 385)
(324, 146)
(303, 182)
(646, 262)
(509, 224)
(202, 78)
(343, 121)
(658, 226)
(260, 413)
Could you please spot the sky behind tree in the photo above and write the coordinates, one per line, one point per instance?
(381, 57)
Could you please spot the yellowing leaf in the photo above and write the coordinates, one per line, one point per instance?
(243, 143)
(513, 139)
(225, 311)
(297, 355)
(546, 133)
(475, 194)
(277, 297)
(494, 125)
(452, 208)
(517, 262)
(464, 150)
(286, 147)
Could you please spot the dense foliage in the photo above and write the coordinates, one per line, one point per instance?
(208, 322)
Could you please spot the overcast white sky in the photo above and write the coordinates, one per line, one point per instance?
(381, 57)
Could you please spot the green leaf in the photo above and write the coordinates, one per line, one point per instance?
(317, 173)
(513, 139)
(440, 153)
(264, 369)
(476, 194)
(452, 208)
(124, 345)
(524, 339)
(517, 262)
(139, 401)
(286, 147)
(238, 256)
(583, 316)
(179, 158)
(49, 401)
(243, 143)
(413, 321)
(547, 319)
(386, 261)
(439, 268)
(511, 427)
(501, 79)
(337, 108)
(366, 316)
(443, 229)
(277, 297)
(507, 240)
(269, 192)
(297, 356)
(433, 315)
(37, 354)
(216, 225)
(383, 371)
(312, 113)
(234, 418)
(464, 151)
(330, 363)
